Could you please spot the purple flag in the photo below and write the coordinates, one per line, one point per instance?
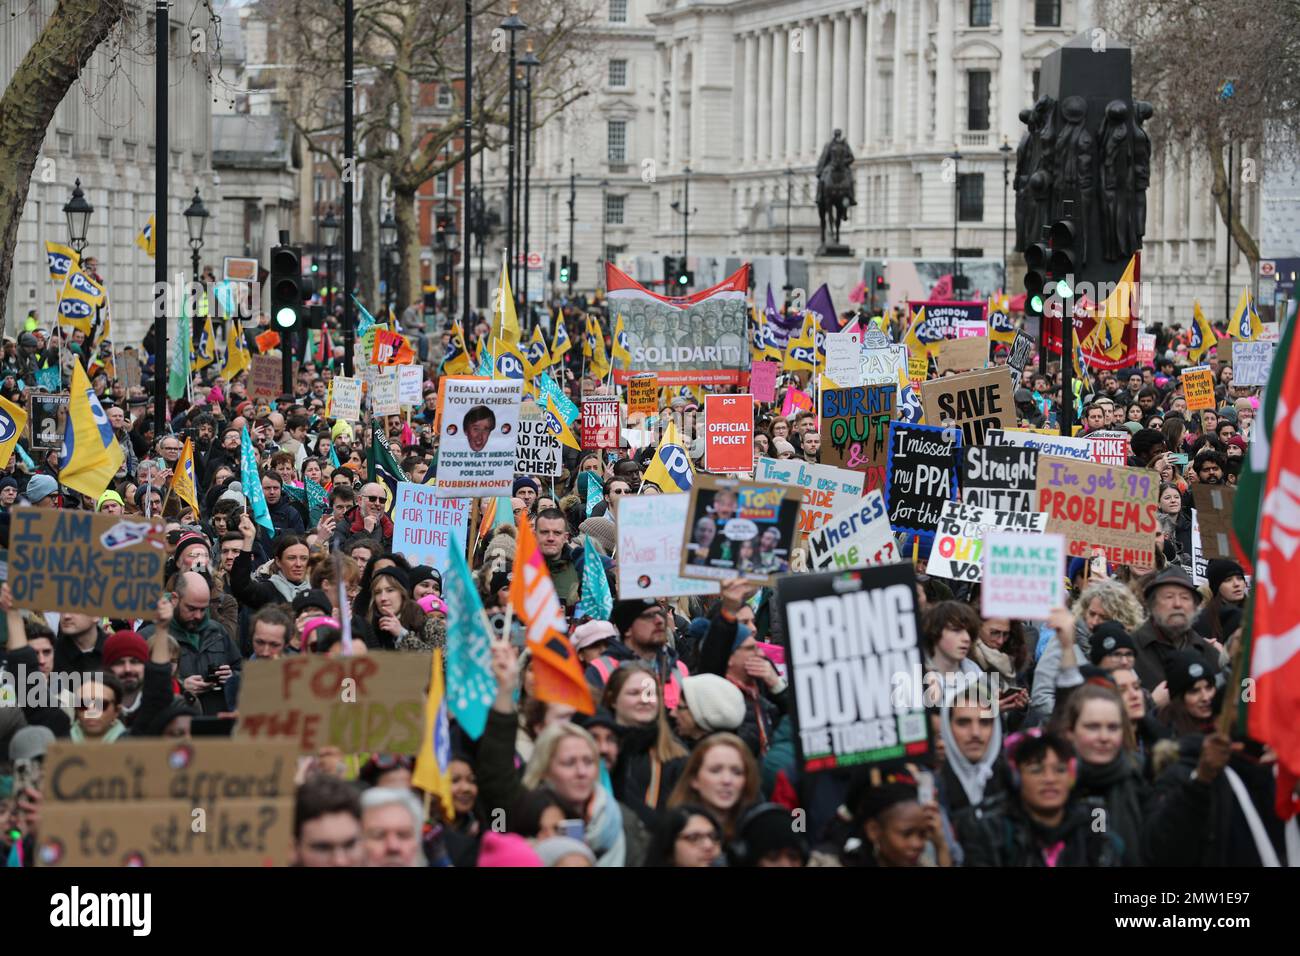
(781, 326)
(820, 302)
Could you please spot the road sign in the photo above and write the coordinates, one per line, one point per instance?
(1267, 267)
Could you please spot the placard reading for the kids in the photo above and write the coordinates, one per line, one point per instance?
(922, 475)
(599, 423)
(729, 433)
(855, 429)
(1102, 506)
(1004, 478)
(1024, 575)
(1251, 363)
(423, 524)
(479, 420)
(86, 563)
(643, 394)
(1198, 387)
(537, 451)
(975, 402)
(855, 538)
(650, 534)
(959, 537)
(826, 489)
(369, 703)
(855, 666)
(739, 528)
(1060, 446)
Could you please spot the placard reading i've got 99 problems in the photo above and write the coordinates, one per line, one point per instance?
(1102, 506)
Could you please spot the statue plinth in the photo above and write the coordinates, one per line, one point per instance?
(834, 249)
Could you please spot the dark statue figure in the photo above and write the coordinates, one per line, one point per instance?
(1020, 183)
(1142, 111)
(835, 187)
(1074, 168)
(1118, 211)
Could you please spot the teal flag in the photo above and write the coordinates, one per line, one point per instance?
(317, 501)
(334, 457)
(365, 323)
(178, 374)
(593, 496)
(596, 601)
(49, 379)
(562, 401)
(252, 482)
(471, 687)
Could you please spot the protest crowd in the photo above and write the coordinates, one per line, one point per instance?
(640, 585)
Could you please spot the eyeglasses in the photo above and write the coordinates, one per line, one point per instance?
(373, 497)
(998, 632)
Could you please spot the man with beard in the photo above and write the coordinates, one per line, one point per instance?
(1209, 467)
(125, 654)
(1171, 600)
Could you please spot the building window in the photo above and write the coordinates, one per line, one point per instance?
(128, 151)
(1037, 74)
(981, 13)
(1047, 13)
(105, 147)
(65, 144)
(618, 11)
(613, 252)
(977, 104)
(970, 197)
(440, 183)
(444, 96)
(176, 160)
(153, 155)
(618, 74)
(617, 139)
(887, 105)
(614, 210)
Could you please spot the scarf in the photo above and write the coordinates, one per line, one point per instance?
(605, 827)
(973, 777)
(287, 589)
(1120, 784)
(991, 659)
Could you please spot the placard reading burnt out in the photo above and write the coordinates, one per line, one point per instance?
(855, 666)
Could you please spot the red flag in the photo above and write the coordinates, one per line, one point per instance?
(391, 348)
(267, 341)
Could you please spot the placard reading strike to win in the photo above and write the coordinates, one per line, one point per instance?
(855, 666)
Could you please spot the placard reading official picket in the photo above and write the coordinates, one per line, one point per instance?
(728, 433)
(975, 402)
(650, 534)
(1024, 575)
(1102, 506)
(1004, 478)
(423, 524)
(922, 475)
(855, 666)
(854, 538)
(480, 422)
(537, 451)
(959, 537)
(77, 561)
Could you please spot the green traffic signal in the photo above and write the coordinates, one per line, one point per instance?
(1036, 304)
(1064, 290)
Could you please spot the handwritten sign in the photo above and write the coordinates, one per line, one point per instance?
(423, 524)
(856, 538)
(826, 489)
(537, 452)
(796, 400)
(975, 402)
(266, 378)
(1146, 348)
(855, 429)
(844, 358)
(345, 402)
(76, 561)
(922, 475)
(1251, 363)
(1003, 478)
(1102, 506)
(1024, 575)
(1022, 350)
(959, 537)
(384, 393)
(883, 366)
(1198, 388)
(1060, 446)
(762, 381)
(650, 533)
(962, 354)
(410, 384)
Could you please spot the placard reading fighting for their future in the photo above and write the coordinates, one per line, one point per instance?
(1003, 478)
(1101, 506)
(739, 528)
(922, 475)
(855, 666)
(959, 538)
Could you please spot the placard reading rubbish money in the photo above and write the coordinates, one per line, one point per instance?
(959, 537)
(479, 419)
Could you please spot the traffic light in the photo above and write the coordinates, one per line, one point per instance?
(881, 284)
(286, 286)
(1037, 256)
(564, 270)
(1062, 265)
(685, 279)
(573, 271)
(550, 270)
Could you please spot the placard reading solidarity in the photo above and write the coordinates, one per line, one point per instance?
(976, 402)
(856, 538)
(423, 524)
(826, 489)
(922, 475)
(537, 452)
(1102, 506)
(855, 429)
(855, 666)
(599, 423)
(739, 528)
(959, 537)
(1003, 478)
(136, 803)
(95, 564)
(1024, 575)
(369, 703)
(480, 422)
(650, 535)
(729, 433)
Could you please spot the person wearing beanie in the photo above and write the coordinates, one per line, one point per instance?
(506, 849)
(782, 448)
(526, 488)
(1190, 709)
(398, 621)
(424, 581)
(42, 491)
(709, 703)
(109, 503)
(564, 851)
(765, 837)
(642, 627)
(1171, 600)
(125, 656)
(590, 639)
(313, 603)
(1222, 613)
(602, 530)
(1111, 647)
(8, 491)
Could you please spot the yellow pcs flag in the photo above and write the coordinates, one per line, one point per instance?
(618, 346)
(560, 340)
(237, 357)
(1203, 337)
(801, 351)
(599, 361)
(91, 453)
(457, 360)
(146, 238)
(1245, 325)
(431, 772)
(206, 353)
(13, 419)
(62, 260)
(183, 481)
(80, 297)
(671, 469)
(505, 324)
(538, 356)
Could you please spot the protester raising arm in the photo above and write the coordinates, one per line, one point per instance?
(498, 779)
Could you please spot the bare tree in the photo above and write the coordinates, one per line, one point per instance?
(1218, 73)
(405, 51)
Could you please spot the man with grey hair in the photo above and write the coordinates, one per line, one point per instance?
(1171, 600)
(391, 826)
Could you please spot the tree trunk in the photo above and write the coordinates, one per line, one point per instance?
(408, 245)
(1240, 234)
(368, 255)
(38, 86)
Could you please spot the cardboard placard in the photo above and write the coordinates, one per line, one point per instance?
(384, 393)
(139, 802)
(410, 384)
(922, 475)
(826, 489)
(855, 538)
(345, 400)
(975, 402)
(423, 524)
(1022, 350)
(1110, 447)
(643, 394)
(739, 528)
(762, 381)
(265, 378)
(46, 415)
(1003, 478)
(478, 426)
(1214, 518)
(883, 366)
(844, 358)
(78, 561)
(537, 451)
(855, 666)
(1059, 446)
(1198, 388)
(358, 704)
(650, 535)
(1251, 363)
(855, 429)
(729, 433)
(962, 354)
(1024, 575)
(599, 423)
(1102, 506)
(127, 366)
(959, 537)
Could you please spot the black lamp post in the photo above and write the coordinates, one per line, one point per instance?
(955, 156)
(449, 252)
(387, 240)
(196, 218)
(78, 213)
(789, 192)
(513, 25)
(329, 233)
(529, 62)
(684, 207)
(604, 221)
(1005, 150)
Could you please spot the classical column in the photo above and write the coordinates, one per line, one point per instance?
(674, 103)
(824, 82)
(808, 145)
(750, 95)
(921, 114)
(793, 91)
(780, 47)
(872, 71)
(839, 92)
(764, 96)
(1011, 78)
(945, 91)
(900, 74)
(854, 131)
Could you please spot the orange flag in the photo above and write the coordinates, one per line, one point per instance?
(267, 341)
(532, 596)
(391, 348)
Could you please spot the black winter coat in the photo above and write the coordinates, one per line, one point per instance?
(1001, 834)
(634, 780)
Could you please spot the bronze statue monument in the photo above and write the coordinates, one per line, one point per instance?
(835, 192)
